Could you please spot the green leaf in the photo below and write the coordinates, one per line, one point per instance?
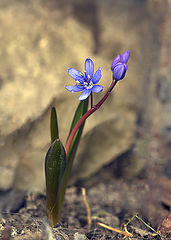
(55, 165)
(54, 125)
(80, 111)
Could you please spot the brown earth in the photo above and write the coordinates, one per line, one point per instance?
(111, 202)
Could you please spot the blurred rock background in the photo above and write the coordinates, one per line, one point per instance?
(39, 40)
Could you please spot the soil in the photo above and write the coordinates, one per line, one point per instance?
(112, 202)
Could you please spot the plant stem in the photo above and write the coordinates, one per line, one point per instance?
(91, 94)
(87, 114)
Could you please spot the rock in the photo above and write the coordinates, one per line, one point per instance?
(13, 201)
(33, 72)
(165, 98)
(30, 72)
(164, 90)
(8, 165)
(39, 41)
(79, 236)
(107, 139)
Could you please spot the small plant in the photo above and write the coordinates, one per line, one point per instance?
(59, 159)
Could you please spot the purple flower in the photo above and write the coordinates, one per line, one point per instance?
(85, 82)
(119, 65)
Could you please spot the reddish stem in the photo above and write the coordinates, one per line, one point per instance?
(86, 115)
(91, 95)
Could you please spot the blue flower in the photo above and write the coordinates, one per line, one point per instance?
(119, 65)
(85, 82)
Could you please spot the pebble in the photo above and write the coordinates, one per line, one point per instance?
(80, 236)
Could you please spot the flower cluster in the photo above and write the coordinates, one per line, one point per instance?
(119, 65)
(85, 82)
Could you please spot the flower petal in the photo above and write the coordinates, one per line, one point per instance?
(125, 56)
(115, 61)
(97, 88)
(75, 88)
(97, 76)
(119, 71)
(85, 94)
(76, 75)
(89, 68)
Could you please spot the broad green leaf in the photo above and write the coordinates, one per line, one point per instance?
(80, 111)
(54, 125)
(55, 165)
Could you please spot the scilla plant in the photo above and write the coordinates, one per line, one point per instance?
(59, 159)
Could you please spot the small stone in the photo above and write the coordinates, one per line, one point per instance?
(80, 236)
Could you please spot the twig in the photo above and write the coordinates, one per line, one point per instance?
(125, 233)
(89, 220)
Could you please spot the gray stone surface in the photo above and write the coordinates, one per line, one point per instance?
(165, 93)
(8, 165)
(39, 40)
(80, 236)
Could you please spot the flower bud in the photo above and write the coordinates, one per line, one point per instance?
(119, 65)
(119, 71)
